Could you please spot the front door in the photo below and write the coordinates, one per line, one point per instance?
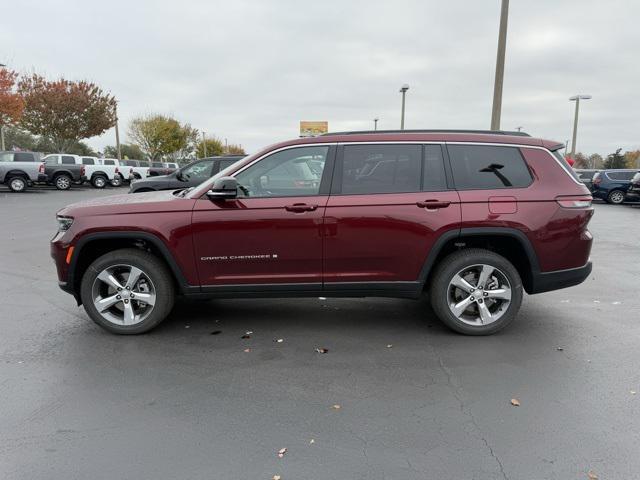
(388, 205)
(272, 233)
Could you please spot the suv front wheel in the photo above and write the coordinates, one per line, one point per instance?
(127, 291)
(476, 292)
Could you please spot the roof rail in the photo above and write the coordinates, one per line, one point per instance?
(480, 132)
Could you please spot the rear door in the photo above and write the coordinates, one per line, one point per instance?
(388, 205)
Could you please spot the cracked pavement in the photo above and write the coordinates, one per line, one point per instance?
(80, 403)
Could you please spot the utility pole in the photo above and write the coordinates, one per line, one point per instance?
(375, 123)
(403, 90)
(576, 98)
(2, 65)
(204, 144)
(497, 86)
(519, 129)
(118, 136)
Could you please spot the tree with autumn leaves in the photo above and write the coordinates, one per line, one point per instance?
(65, 111)
(11, 102)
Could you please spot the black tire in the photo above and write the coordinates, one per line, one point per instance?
(153, 267)
(450, 266)
(99, 181)
(117, 180)
(616, 197)
(17, 184)
(62, 181)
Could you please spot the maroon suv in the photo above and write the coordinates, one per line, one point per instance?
(472, 218)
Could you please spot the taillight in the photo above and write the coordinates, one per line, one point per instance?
(41, 168)
(82, 170)
(597, 181)
(581, 201)
(117, 171)
(131, 171)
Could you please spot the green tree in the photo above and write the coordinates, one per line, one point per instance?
(581, 161)
(127, 150)
(596, 161)
(615, 160)
(233, 149)
(159, 136)
(16, 138)
(64, 111)
(214, 148)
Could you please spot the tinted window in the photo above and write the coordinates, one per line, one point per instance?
(6, 157)
(226, 163)
(621, 175)
(108, 162)
(157, 165)
(24, 157)
(142, 163)
(88, 161)
(485, 167)
(67, 160)
(198, 172)
(433, 177)
(130, 163)
(291, 172)
(381, 168)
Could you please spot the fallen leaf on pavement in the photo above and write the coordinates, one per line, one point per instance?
(322, 350)
(276, 477)
(247, 350)
(280, 340)
(515, 402)
(312, 441)
(336, 407)
(592, 475)
(216, 332)
(281, 452)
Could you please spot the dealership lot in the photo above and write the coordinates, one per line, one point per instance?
(415, 400)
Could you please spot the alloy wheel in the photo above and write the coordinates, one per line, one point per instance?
(616, 197)
(479, 294)
(63, 182)
(123, 295)
(17, 184)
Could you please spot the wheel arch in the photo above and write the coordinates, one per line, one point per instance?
(511, 243)
(94, 245)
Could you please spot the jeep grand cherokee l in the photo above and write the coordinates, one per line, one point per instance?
(471, 219)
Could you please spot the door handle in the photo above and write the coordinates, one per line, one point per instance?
(300, 207)
(433, 204)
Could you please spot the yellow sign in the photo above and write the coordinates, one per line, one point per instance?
(311, 129)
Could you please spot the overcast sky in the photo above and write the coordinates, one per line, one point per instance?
(249, 71)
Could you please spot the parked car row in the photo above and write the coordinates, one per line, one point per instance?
(21, 170)
(614, 186)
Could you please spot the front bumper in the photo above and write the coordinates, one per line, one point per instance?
(547, 281)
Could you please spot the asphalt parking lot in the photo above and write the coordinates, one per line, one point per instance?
(416, 401)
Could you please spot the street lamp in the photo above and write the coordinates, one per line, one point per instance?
(519, 128)
(576, 98)
(375, 123)
(2, 65)
(403, 90)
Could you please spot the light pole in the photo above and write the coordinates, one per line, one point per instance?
(375, 123)
(576, 98)
(497, 86)
(119, 152)
(403, 90)
(519, 128)
(2, 65)
(204, 144)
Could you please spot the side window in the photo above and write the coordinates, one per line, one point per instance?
(67, 160)
(198, 171)
(51, 159)
(88, 161)
(226, 163)
(6, 157)
(381, 169)
(108, 162)
(486, 167)
(24, 157)
(143, 163)
(289, 173)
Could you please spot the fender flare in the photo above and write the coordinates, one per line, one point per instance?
(480, 231)
(16, 173)
(130, 235)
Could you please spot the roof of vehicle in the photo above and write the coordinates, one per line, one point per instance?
(480, 136)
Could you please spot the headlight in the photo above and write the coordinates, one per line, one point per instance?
(64, 223)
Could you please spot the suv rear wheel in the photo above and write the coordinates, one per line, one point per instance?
(616, 197)
(99, 181)
(17, 184)
(476, 292)
(127, 291)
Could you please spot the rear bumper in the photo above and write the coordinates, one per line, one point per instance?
(633, 195)
(547, 281)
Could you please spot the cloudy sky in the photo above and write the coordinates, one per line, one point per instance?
(249, 71)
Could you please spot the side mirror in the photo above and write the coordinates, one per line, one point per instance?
(180, 176)
(223, 188)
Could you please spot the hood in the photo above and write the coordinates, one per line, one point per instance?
(160, 201)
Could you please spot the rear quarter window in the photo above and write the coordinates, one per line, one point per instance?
(480, 167)
(24, 157)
